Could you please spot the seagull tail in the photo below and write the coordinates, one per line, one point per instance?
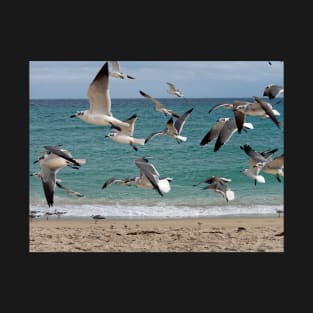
(230, 195)
(260, 179)
(139, 141)
(181, 138)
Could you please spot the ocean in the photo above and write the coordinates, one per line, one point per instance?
(187, 163)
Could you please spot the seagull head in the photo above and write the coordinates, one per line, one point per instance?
(78, 114)
(113, 132)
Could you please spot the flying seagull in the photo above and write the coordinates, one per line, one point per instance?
(174, 91)
(173, 129)
(99, 112)
(149, 178)
(50, 163)
(243, 108)
(159, 107)
(116, 71)
(219, 185)
(258, 160)
(223, 131)
(125, 135)
(272, 91)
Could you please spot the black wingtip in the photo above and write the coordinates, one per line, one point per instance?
(104, 71)
(142, 93)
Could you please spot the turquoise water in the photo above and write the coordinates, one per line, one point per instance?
(187, 163)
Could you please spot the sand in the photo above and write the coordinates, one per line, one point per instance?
(257, 234)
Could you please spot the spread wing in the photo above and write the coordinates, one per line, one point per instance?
(99, 94)
(225, 134)
(268, 110)
(115, 66)
(62, 153)
(156, 102)
(180, 122)
(48, 182)
(212, 133)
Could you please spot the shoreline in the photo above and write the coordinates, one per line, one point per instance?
(199, 234)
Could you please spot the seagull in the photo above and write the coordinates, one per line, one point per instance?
(50, 163)
(243, 108)
(116, 71)
(219, 185)
(174, 91)
(272, 91)
(98, 217)
(173, 129)
(149, 178)
(223, 130)
(159, 107)
(124, 135)
(99, 112)
(257, 162)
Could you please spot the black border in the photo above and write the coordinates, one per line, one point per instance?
(231, 43)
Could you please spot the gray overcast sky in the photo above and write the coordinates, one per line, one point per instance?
(197, 79)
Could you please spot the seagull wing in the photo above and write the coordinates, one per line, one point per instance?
(115, 66)
(172, 86)
(256, 156)
(62, 153)
(99, 93)
(268, 110)
(129, 130)
(220, 105)
(48, 182)
(111, 181)
(153, 134)
(240, 119)
(70, 192)
(225, 134)
(180, 122)
(212, 133)
(156, 102)
(148, 170)
(272, 91)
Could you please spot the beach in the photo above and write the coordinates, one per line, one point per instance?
(227, 234)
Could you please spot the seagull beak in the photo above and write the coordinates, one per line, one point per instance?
(74, 115)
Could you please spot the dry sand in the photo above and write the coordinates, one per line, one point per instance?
(261, 234)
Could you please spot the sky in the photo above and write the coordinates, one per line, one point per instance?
(196, 79)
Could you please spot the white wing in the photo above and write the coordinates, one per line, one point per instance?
(99, 94)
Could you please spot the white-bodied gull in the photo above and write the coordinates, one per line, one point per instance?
(116, 71)
(173, 129)
(50, 163)
(174, 91)
(275, 167)
(99, 112)
(219, 185)
(125, 135)
(223, 130)
(149, 178)
(159, 107)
